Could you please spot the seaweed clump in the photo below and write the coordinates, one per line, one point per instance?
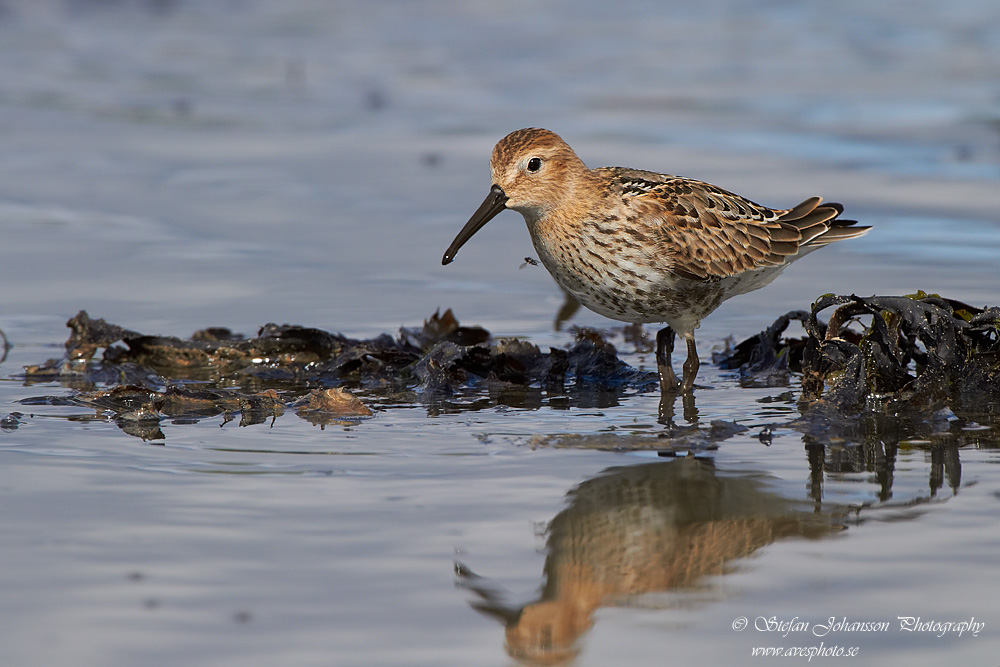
(140, 379)
(917, 352)
(913, 354)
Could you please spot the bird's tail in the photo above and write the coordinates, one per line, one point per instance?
(820, 223)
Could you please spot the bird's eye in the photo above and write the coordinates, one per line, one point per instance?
(534, 164)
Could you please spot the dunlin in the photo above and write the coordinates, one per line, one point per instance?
(639, 246)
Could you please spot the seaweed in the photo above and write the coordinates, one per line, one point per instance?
(919, 352)
(884, 369)
(140, 378)
(881, 365)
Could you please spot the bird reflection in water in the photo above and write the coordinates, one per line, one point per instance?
(641, 529)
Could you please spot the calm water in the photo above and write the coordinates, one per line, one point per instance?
(172, 165)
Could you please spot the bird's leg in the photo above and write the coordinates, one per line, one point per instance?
(690, 365)
(664, 348)
(665, 413)
(690, 409)
(566, 310)
(668, 381)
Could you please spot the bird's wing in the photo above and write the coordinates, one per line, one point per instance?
(703, 232)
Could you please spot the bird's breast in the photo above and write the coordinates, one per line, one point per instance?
(605, 270)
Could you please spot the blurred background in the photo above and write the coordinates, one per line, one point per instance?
(171, 164)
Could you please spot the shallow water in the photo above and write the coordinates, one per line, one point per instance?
(172, 165)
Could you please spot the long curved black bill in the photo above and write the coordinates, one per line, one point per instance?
(495, 202)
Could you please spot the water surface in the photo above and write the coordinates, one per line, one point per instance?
(176, 165)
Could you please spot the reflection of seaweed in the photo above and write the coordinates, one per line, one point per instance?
(636, 530)
(6, 346)
(878, 456)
